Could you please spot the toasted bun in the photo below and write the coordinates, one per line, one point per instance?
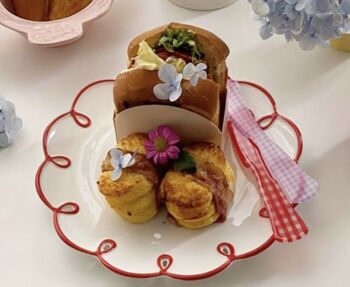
(135, 88)
(134, 195)
(199, 199)
(214, 49)
(209, 152)
(134, 143)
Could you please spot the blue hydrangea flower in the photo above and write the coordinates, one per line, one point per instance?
(10, 124)
(309, 22)
(194, 73)
(120, 161)
(171, 88)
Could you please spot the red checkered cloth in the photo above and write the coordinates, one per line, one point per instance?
(296, 184)
(280, 178)
(286, 224)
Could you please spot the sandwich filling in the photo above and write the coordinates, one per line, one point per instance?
(175, 47)
(181, 44)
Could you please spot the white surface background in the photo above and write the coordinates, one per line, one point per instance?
(311, 88)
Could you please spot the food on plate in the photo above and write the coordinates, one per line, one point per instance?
(168, 165)
(187, 42)
(199, 71)
(198, 190)
(129, 181)
(46, 10)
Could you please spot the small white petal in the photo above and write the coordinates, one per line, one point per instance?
(14, 125)
(9, 109)
(115, 163)
(189, 71)
(116, 174)
(167, 73)
(125, 161)
(2, 125)
(201, 67)
(4, 140)
(203, 75)
(175, 95)
(266, 31)
(260, 7)
(300, 5)
(177, 81)
(194, 80)
(116, 154)
(162, 91)
(132, 161)
(308, 43)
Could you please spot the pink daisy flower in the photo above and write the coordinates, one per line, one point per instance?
(161, 145)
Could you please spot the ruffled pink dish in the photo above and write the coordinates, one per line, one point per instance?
(58, 32)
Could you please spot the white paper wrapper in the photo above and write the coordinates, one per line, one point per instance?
(247, 195)
(188, 125)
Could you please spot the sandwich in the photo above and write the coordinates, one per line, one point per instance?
(179, 45)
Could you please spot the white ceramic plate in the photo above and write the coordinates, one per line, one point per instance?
(74, 145)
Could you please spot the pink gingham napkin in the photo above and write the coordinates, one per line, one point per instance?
(286, 224)
(291, 179)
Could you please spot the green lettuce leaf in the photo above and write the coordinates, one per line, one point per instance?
(181, 40)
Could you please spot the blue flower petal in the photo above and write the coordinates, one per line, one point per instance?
(116, 174)
(13, 125)
(194, 80)
(127, 160)
(260, 7)
(201, 67)
(116, 154)
(2, 125)
(177, 82)
(266, 31)
(175, 95)
(163, 91)
(10, 124)
(4, 140)
(308, 43)
(167, 73)
(188, 71)
(194, 73)
(202, 75)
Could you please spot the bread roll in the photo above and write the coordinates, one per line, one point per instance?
(134, 196)
(204, 197)
(34, 10)
(64, 8)
(135, 87)
(215, 51)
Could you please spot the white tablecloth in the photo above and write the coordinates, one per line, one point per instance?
(311, 88)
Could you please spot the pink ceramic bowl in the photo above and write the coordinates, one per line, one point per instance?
(58, 32)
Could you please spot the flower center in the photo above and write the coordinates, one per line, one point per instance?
(160, 144)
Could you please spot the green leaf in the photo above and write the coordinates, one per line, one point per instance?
(181, 40)
(185, 163)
